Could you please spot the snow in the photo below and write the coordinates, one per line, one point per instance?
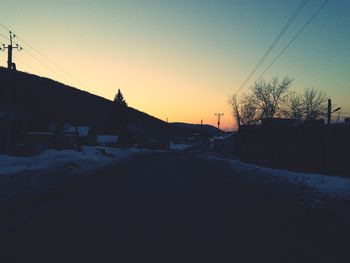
(88, 158)
(224, 136)
(179, 146)
(332, 186)
(107, 139)
(83, 131)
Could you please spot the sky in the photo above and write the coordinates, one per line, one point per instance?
(180, 59)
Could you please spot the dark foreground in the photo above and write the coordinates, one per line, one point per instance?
(171, 207)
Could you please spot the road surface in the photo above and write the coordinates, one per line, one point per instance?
(173, 207)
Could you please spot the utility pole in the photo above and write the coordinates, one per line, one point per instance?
(10, 47)
(219, 118)
(11, 68)
(329, 111)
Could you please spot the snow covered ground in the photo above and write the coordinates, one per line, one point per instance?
(30, 184)
(332, 186)
(88, 158)
(179, 146)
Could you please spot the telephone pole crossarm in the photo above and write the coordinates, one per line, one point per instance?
(10, 47)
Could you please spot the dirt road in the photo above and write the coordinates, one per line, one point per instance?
(173, 207)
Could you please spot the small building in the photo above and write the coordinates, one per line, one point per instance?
(84, 133)
(107, 140)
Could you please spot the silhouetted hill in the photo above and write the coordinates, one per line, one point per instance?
(39, 101)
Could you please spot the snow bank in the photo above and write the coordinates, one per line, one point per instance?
(107, 139)
(89, 157)
(179, 146)
(333, 186)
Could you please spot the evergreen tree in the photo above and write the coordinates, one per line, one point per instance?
(118, 113)
(119, 99)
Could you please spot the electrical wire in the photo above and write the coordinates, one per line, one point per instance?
(47, 59)
(291, 41)
(272, 46)
(274, 43)
(26, 64)
(50, 61)
(294, 38)
(6, 28)
(4, 36)
(46, 66)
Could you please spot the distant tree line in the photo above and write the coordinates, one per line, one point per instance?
(274, 99)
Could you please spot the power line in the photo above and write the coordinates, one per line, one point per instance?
(272, 46)
(291, 41)
(29, 66)
(2, 47)
(274, 43)
(20, 48)
(4, 36)
(10, 39)
(45, 65)
(5, 27)
(294, 38)
(48, 60)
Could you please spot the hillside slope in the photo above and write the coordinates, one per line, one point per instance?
(39, 101)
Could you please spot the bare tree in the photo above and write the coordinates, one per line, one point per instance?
(293, 107)
(236, 109)
(264, 100)
(249, 110)
(274, 100)
(271, 96)
(314, 104)
(244, 110)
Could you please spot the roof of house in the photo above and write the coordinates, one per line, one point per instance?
(83, 131)
(107, 138)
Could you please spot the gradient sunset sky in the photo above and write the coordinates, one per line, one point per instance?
(181, 59)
